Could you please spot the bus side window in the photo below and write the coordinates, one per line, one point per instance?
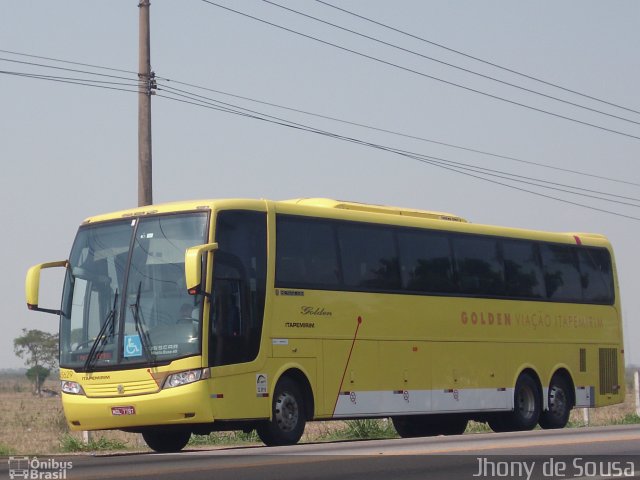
(369, 257)
(479, 267)
(306, 255)
(595, 275)
(523, 274)
(561, 273)
(425, 259)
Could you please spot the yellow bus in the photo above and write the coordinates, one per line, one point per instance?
(214, 315)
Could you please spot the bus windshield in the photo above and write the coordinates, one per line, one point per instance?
(125, 300)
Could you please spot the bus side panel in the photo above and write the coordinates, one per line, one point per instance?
(239, 396)
(470, 376)
(405, 376)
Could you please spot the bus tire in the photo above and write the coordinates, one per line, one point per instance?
(526, 408)
(408, 426)
(453, 424)
(166, 441)
(527, 404)
(498, 422)
(288, 420)
(560, 404)
(429, 425)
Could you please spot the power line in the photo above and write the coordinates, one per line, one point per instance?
(422, 74)
(526, 179)
(339, 137)
(69, 62)
(486, 62)
(327, 117)
(488, 77)
(458, 167)
(423, 159)
(73, 81)
(400, 134)
(64, 69)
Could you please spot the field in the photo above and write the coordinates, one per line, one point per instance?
(33, 425)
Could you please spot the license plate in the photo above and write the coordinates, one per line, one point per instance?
(117, 411)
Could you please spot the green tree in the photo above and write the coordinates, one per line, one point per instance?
(38, 375)
(39, 350)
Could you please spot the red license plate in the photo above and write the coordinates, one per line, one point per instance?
(117, 411)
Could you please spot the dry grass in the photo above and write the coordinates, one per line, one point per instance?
(32, 425)
(605, 415)
(29, 424)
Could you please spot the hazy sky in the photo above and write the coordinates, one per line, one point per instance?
(70, 151)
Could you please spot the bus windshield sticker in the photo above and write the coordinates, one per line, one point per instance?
(132, 346)
(170, 349)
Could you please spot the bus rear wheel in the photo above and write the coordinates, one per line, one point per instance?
(560, 404)
(287, 422)
(166, 441)
(526, 408)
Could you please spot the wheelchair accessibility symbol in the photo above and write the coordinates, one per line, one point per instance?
(132, 346)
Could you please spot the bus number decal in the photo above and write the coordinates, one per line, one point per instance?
(261, 385)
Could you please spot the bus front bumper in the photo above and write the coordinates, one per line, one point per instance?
(174, 406)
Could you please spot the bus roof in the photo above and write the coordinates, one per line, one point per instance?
(364, 207)
(360, 211)
(310, 202)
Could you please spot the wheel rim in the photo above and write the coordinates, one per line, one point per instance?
(287, 412)
(526, 403)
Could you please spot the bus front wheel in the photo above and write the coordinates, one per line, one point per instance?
(166, 441)
(287, 422)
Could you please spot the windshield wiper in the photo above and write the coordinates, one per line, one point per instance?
(145, 341)
(101, 339)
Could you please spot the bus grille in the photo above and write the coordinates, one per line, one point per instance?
(608, 371)
(123, 389)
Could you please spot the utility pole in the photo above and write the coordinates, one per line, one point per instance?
(636, 390)
(146, 80)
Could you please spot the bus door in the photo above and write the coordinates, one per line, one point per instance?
(229, 313)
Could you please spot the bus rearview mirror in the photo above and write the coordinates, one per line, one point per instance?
(193, 266)
(32, 285)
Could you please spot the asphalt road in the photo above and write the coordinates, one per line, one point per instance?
(609, 452)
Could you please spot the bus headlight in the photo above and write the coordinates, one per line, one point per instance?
(184, 378)
(73, 388)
